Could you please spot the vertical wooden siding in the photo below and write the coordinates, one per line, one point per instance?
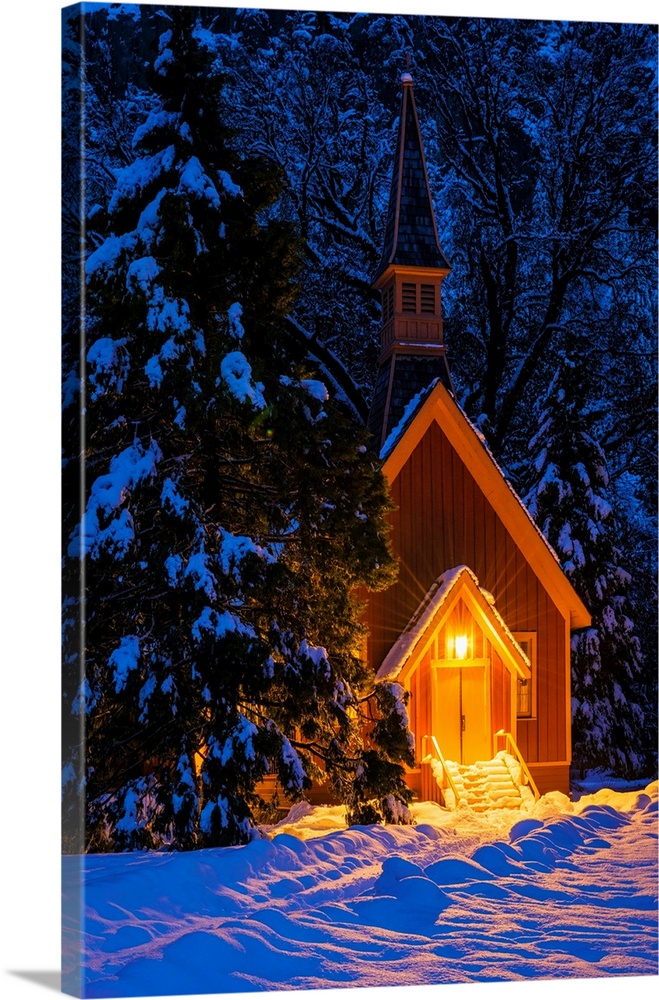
(443, 520)
(500, 697)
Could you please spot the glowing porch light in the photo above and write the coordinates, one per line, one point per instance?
(461, 646)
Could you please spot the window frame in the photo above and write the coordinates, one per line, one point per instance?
(530, 639)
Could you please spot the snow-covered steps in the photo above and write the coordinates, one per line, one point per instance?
(485, 784)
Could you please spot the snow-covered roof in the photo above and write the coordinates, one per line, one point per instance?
(429, 397)
(408, 416)
(402, 649)
(409, 413)
(438, 594)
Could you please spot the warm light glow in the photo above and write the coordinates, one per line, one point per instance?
(461, 646)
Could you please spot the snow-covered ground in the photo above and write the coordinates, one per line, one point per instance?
(568, 890)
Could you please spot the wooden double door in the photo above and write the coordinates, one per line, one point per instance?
(462, 714)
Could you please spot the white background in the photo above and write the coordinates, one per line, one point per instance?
(29, 490)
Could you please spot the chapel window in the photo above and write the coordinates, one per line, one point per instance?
(526, 688)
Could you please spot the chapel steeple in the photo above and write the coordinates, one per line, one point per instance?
(409, 278)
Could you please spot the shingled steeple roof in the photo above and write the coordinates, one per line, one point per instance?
(411, 232)
(409, 280)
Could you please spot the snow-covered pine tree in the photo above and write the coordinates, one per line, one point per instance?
(568, 502)
(231, 510)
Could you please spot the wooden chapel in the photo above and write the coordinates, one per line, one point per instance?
(477, 626)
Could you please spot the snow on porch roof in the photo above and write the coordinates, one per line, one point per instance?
(416, 628)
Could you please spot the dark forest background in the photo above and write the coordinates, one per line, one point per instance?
(541, 143)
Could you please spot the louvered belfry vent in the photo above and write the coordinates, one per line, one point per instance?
(428, 299)
(409, 278)
(409, 297)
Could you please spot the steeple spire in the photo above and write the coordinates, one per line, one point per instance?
(409, 279)
(411, 231)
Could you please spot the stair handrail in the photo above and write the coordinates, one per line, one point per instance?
(516, 752)
(442, 761)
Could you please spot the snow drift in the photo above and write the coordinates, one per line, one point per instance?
(568, 890)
